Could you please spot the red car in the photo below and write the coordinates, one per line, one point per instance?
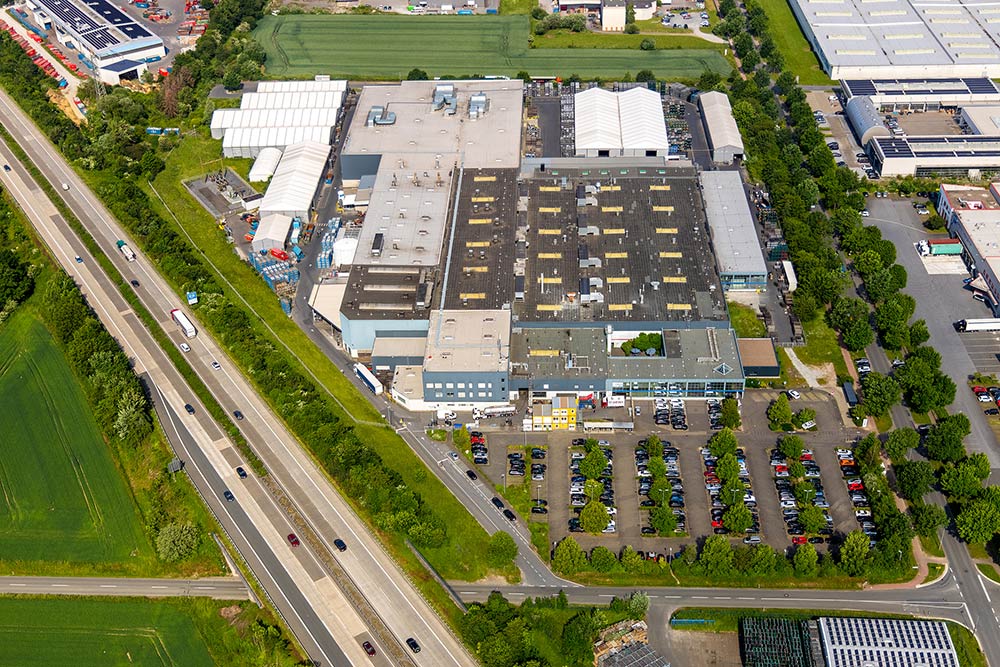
(369, 649)
(781, 468)
(856, 487)
(716, 524)
(799, 539)
(293, 539)
(979, 390)
(807, 457)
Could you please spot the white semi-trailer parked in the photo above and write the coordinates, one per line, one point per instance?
(982, 324)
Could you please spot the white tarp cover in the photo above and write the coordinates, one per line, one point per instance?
(718, 114)
(300, 86)
(265, 164)
(272, 232)
(295, 180)
(623, 123)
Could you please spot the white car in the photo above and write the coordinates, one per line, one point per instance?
(865, 213)
(809, 424)
(185, 347)
(787, 504)
(216, 365)
(610, 528)
(984, 398)
(794, 395)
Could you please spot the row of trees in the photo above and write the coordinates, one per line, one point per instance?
(661, 516)
(17, 277)
(736, 518)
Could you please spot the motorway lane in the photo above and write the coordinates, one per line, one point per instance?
(397, 602)
(218, 588)
(190, 437)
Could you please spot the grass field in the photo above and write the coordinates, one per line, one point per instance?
(388, 47)
(63, 498)
(94, 633)
(822, 346)
(745, 321)
(799, 56)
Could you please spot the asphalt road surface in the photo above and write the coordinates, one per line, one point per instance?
(218, 588)
(389, 594)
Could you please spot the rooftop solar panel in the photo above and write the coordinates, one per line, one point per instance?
(860, 87)
(980, 85)
(98, 22)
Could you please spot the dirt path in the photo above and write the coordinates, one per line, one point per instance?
(811, 374)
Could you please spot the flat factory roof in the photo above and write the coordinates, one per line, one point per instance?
(104, 27)
(490, 140)
(757, 352)
(902, 90)
(388, 292)
(326, 299)
(559, 353)
(982, 120)
(634, 249)
(701, 354)
(977, 149)
(460, 340)
(399, 347)
(480, 266)
(734, 236)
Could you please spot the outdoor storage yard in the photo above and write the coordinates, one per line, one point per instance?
(388, 47)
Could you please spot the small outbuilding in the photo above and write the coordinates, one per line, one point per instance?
(723, 135)
(759, 358)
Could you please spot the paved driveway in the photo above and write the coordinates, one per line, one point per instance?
(941, 300)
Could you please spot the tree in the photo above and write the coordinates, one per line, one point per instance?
(964, 479)
(538, 14)
(914, 479)
(502, 550)
(811, 519)
(858, 335)
(723, 442)
(523, 74)
(806, 560)
(629, 13)
(737, 518)
(854, 554)
(416, 74)
(880, 393)
(602, 560)
(791, 446)
(804, 492)
(796, 470)
(919, 333)
(901, 441)
(176, 541)
(716, 556)
(779, 412)
(663, 520)
(593, 464)
(645, 76)
(593, 489)
(568, 557)
(132, 422)
(657, 468)
(638, 605)
(631, 561)
(726, 467)
(763, 560)
(460, 438)
(631, 29)
(231, 80)
(594, 518)
(978, 521)
(927, 519)
(730, 417)
(944, 442)
(647, 45)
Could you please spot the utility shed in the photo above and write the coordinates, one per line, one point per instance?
(723, 134)
(272, 232)
(734, 237)
(758, 357)
(625, 124)
(295, 180)
(265, 164)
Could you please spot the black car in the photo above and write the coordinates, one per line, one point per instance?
(579, 442)
(228, 495)
(412, 643)
(340, 544)
(238, 415)
(537, 509)
(242, 473)
(497, 502)
(646, 530)
(721, 531)
(134, 283)
(471, 475)
(480, 460)
(510, 515)
(6, 167)
(189, 408)
(647, 503)
(816, 540)
(537, 454)
(993, 412)
(515, 456)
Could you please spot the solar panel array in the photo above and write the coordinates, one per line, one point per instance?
(904, 87)
(97, 22)
(856, 642)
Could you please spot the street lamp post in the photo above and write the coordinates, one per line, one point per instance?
(538, 493)
(503, 476)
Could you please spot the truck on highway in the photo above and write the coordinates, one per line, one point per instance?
(125, 250)
(368, 378)
(183, 322)
(981, 324)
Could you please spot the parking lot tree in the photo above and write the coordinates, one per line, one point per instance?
(663, 520)
(460, 438)
(737, 518)
(657, 468)
(722, 443)
(730, 417)
(791, 446)
(881, 392)
(502, 549)
(927, 518)
(593, 464)
(914, 479)
(804, 492)
(806, 560)
(590, 444)
(978, 520)
(812, 519)
(962, 480)
(593, 489)
(716, 556)
(631, 561)
(944, 441)
(594, 518)
(855, 554)
(660, 490)
(900, 442)
(653, 442)
(726, 467)
(796, 470)
(602, 560)
(779, 412)
(568, 557)
(804, 415)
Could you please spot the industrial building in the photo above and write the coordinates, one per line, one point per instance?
(922, 94)
(623, 124)
(109, 39)
(857, 642)
(962, 156)
(295, 181)
(720, 127)
(972, 214)
(738, 253)
(902, 38)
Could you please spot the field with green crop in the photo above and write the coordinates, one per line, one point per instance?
(63, 500)
(388, 47)
(87, 632)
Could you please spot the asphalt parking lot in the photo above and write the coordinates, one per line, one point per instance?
(941, 301)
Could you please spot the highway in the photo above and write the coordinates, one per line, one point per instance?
(218, 588)
(393, 602)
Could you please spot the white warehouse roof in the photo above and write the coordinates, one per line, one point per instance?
(718, 115)
(301, 86)
(250, 141)
(265, 164)
(631, 120)
(295, 180)
(272, 232)
(329, 99)
(734, 236)
(224, 120)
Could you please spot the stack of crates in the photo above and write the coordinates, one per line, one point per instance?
(325, 258)
(274, 271)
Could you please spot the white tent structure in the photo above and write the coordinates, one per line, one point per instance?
(250, 141)
(272, 232)
(265, 164)
(295, 180)
(317, 86)
(224, 120)
(626, 124)
(330, 99)
(723, 134)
